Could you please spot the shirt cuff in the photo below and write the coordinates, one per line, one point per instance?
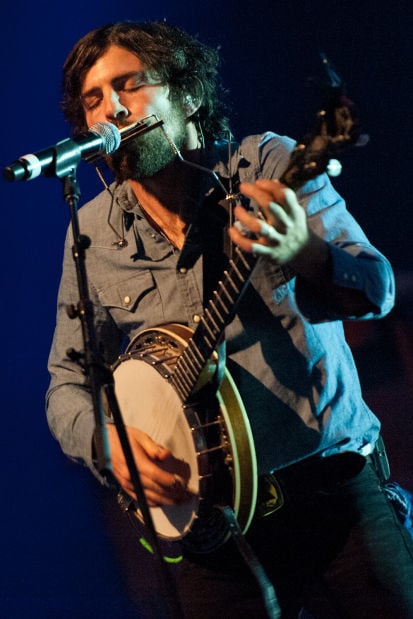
(345, 269)
(368, 272)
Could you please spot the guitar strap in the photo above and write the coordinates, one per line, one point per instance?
(268, 592)
(213, 224)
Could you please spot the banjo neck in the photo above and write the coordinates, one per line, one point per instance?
(217, 315)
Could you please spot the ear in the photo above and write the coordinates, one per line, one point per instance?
(191, 105)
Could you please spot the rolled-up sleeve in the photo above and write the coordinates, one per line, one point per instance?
(355, 262)
(368, 271)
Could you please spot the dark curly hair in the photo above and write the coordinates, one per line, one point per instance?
(186, 65)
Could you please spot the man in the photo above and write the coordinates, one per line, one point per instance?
(158, 250)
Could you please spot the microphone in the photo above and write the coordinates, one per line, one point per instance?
(101, 138)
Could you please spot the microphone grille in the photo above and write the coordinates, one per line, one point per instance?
(110, 135)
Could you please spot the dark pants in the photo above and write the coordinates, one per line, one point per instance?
(339, 552)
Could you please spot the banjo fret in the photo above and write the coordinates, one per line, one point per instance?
(217, 312)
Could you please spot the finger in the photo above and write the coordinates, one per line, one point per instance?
(262, 229)
(279, 213)
(151, 447)
(271, 184)
(247, 219)
(264, 190)
(153, 498)
(261, 196)
(159, 494)
(239, 239)
(156, 499)
(269, 233)
(293, 203)
(263, 250)
(152, 476)
(274, 205)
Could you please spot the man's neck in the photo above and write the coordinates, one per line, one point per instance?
(170, 198)
(173, 187)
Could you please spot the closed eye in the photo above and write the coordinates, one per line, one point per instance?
(91, 100)
(132, 88)
(124, 84)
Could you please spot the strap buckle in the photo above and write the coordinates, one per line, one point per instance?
(270, 496)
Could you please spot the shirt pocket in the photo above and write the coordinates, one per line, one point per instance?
(272, 282)
(133, 302)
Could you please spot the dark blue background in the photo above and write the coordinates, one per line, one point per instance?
(56, 557)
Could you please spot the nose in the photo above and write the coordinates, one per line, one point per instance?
(114, 108)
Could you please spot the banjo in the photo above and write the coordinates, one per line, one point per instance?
(166, 381)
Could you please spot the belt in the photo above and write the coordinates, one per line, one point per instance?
(304, 479)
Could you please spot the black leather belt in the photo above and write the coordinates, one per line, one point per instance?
(305, 478)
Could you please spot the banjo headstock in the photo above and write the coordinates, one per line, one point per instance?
(337, 128)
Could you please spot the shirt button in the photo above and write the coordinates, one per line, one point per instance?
(127, 300)
(196, 318)
(345, 275)
(183, 270)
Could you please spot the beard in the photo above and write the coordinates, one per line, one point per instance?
(150, 152)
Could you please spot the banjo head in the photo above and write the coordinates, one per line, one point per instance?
(148, 402)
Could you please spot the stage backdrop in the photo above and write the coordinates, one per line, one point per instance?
(56, 556)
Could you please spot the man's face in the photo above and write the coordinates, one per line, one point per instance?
(119, 89)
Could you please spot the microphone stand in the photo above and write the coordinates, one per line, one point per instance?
(64, 167)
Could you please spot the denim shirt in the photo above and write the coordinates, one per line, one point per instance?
(285, 348)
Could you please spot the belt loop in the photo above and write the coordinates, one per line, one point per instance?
(380, 460)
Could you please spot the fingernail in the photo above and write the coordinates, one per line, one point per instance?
(179, 481)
